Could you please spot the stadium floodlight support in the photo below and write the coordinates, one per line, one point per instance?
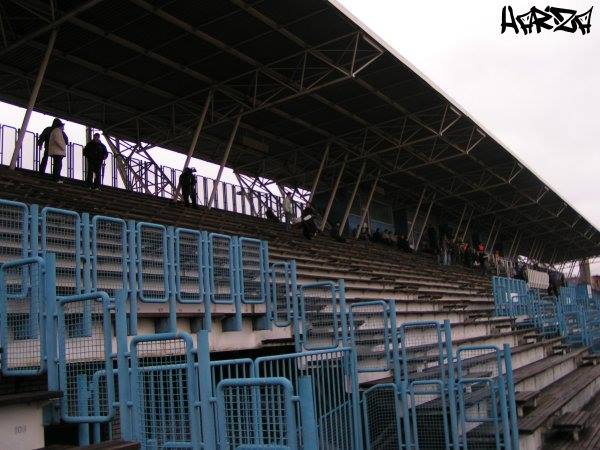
(487, 242)
(462, 216)
(194, 142)
(351, 201)
(32, 99)
(333, 192)
(224, 161)
(319, 172)
(412, 224)
(366, 207)
(425, 222)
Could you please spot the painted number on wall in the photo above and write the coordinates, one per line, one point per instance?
(20, 429)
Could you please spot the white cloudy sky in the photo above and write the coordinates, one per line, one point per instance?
(539, 94)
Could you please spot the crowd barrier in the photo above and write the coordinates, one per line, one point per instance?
(574, 314)
(70, 286)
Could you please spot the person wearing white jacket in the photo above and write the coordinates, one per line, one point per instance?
(57, 150)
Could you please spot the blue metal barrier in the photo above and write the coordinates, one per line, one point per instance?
(382, 418)
(14, 231)
(511, 297)
(109, 255)
(253, 265)
(84, 349)
(61, 235)
(283, 298)
(164, 392)
(323, 321)
(22, 317)
(152, 263)
(257, 413)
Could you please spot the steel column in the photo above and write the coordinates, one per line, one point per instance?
(366, 208)
(412, 224)
(194, 141)
(118, 159)
(351, 201)
(425, 222)
(514, 241)
(224, 161)
(318, 177)
(462, 216)
(487, 242)
(464, 235)
(333, 192)
(33, 98)
(495, 238)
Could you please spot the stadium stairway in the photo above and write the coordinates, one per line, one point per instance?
(422, 290)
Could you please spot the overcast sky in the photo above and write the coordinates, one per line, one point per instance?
(538, 94)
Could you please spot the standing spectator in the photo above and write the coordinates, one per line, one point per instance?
(57, 149)
(188, 183)
(481, 258)
(288, 211)
(403, 244)
(433, 240)
(43, 140)
(269, 214)
(309, 228)
(335, 233)
(95, 153)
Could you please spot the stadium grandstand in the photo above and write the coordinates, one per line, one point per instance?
(383, 274)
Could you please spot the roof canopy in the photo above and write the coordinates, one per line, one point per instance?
(302, 76)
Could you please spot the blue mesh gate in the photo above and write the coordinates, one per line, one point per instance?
(109, 255)
(282, 279)
(22, 315)
(84, 350)
(256, 413)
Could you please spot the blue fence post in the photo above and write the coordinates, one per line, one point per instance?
(34, 230)
(295, 306)
(512, 406)
(207, 418)
(503, 404)
(307, 413)
(394, 340)
(451, 386)
(341, 288)
(125, 403)
(235, 323)
(82, 409)
(207, 322)
(51, 332)
(171, 279)
(87, 282)
(132, 255)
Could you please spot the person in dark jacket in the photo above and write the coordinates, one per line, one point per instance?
(44, 139)
(188, 183)
(269, 214)
(309, 228)
(95, 153)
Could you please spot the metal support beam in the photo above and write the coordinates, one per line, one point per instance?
(412, 224)
(32, 99)
(464, 235)
(333, 192)
(351, 201)
(122, 167)
(516, 250)
(514, 241)
(366, 208)
(247, 194)
(320, 171)
(194, 142)
(224, 161)
(51, 26)
(425, 222)
(495, 238)
(487, 242)
(462, 216)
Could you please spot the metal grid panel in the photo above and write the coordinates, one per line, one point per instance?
(281, 294)
(334, 392)
(511, 297)
(429, 414)
(423, 351)
(371, 336)
(109, 255)
(152, 263)
(256, 413)
(164, 392)
(320, 316)
(85, 351)
(382, 417)
(189, 273)
(61, 234)
(14, 228)
(222, 268)
(252, 267)
(22, 326)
